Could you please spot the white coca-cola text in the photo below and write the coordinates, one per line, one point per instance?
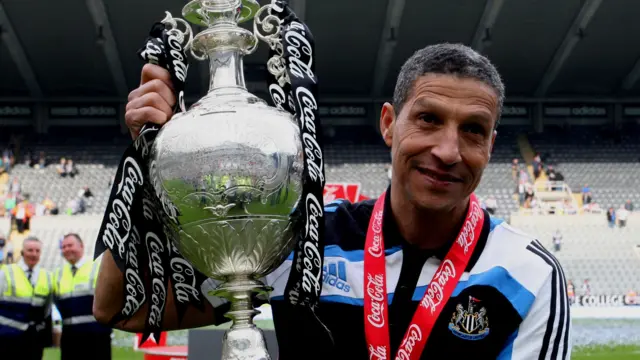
(179, 65)
(376, 249)
(135, 296)
(298, 46)
(434, 293)
(184, 280)
(158, 301)
(118, 228)
(414, 334)
(467, 234)
(375, 290)
(377, 352)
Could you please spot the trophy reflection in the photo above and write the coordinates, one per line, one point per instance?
(232, 168)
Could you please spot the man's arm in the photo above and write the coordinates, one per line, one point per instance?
(109, 298)
(545, 333)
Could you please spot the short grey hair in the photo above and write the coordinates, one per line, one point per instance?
(31, 238)
(454, 59)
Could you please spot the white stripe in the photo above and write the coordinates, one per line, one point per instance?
(561, 293)
(13, 324)
(75, 294)
(33, 301)
(77, 320)
(354, 271)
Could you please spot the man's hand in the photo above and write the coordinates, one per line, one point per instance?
(152, 101)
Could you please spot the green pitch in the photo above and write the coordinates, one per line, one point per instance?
(623, 352)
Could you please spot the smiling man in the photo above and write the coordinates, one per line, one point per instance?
(422, 272)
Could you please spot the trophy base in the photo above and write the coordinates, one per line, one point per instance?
(244, 340)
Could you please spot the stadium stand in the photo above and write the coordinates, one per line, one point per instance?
(590, 249)
(609, 164)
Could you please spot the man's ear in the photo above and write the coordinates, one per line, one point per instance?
(493, 141)
(387, 123)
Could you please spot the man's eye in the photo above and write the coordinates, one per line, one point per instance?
(428, 118)
(474, 129)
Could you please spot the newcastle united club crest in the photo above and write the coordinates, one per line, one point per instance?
(470, 323)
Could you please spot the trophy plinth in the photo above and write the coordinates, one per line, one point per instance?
(232, 168)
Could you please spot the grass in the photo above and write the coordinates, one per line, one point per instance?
(621, 352)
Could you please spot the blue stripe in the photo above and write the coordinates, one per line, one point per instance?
(507, 352)
(494, 222)
(349, 255)
(75, 306)
(333, 269)
(6, 331)
(499, 278)
(15, 311)
(342, 270)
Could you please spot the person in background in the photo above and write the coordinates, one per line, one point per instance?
(622, 215)
(70, 168)
(586, 194)
(586, 287)
(537, 166)
(557, 240)
(75, 283)
(22, 213)
(8, 253)
(9, 204)
(25, 305)
(571, 291)
(611, 218)
(61, 168)
(515, 171)
(628, 205)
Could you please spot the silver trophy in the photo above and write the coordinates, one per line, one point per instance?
(231, 167)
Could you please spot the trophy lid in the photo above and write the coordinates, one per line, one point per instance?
(205, 12)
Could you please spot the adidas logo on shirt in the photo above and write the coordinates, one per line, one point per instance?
(335, 274)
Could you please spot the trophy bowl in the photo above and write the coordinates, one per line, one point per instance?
(232, 168)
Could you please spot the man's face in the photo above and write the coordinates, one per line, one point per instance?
(441, 140)
(72, 249)
(31, 253)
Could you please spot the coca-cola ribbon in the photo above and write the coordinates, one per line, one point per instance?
(138, 225)
(298, 95)
(438, 292)
(295, 89)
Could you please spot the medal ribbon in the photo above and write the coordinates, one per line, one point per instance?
(438, 292)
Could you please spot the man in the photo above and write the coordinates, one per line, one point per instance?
(25, 305)
(557, 240)
(74, 289)
(511, 301)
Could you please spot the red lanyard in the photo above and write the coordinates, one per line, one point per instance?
(438, 292)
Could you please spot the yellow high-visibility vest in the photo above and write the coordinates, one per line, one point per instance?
(74, 296)
(23, 305)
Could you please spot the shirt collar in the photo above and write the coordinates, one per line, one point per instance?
(392, 236)
(80, 262)
(25, 268)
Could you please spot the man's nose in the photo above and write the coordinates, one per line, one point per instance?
(447, 149)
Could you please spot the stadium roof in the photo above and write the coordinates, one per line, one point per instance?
(543, 48)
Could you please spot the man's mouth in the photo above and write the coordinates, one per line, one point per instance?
(439, 175)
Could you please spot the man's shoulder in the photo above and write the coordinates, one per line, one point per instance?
(525, 259)
(346, 223)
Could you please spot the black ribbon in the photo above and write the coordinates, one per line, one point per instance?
(299, 96)
(138, 225)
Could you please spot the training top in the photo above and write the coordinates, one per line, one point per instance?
(510, 303)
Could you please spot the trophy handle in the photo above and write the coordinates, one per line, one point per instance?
(267, 28)
(184, 36)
